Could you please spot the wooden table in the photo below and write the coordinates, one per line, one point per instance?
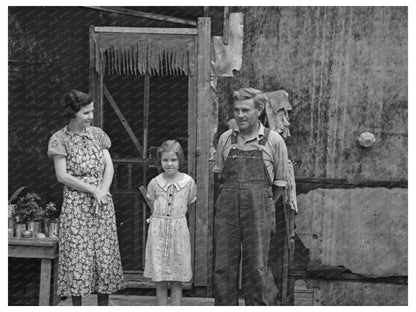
(45, 249)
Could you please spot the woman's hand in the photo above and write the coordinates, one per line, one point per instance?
(100, 196)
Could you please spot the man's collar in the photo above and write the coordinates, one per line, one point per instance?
(236, 130)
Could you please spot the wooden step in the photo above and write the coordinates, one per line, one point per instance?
(137, 280)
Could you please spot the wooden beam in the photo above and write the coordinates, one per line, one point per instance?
(145, 113)
(146, 30)
(226, 24)
(192, 116)
(45, 281)
(291, 286)
(123, 120)
(285, 273)
(99, 109)
(202, 150)
(94, 80)
(305, 185)
(206, 11)
(351, 277)
(160, 17)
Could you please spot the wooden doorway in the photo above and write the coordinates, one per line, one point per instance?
(150, 85)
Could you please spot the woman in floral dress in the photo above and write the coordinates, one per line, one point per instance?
(89, 257)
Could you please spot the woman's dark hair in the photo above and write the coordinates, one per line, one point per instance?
(73, 101)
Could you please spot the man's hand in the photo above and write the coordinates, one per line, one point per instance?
(277, 192)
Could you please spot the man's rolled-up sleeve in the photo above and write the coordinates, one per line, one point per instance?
(219, 161)
(280, 164)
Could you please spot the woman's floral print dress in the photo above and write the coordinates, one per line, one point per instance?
(168, 249)
(89, 257)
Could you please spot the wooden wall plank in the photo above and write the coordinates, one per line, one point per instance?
(148, 30)
(160, 17)
(45, 282)
(202, 149)
(145, 114)
(94, 80)
(192, 116)
(123, 120)
(99, 109)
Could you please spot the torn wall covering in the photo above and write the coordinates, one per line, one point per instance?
(361, 229)
(138, 54)
(228, 57)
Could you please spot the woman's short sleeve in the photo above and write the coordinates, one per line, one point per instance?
(192, 192)
(105, 141)
(56, 146)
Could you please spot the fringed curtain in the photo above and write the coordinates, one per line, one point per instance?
(138, 54)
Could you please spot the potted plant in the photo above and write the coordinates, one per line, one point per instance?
(29, 210)
(20, 227)
(51, 220)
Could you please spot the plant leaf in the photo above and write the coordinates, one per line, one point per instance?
(15, 194)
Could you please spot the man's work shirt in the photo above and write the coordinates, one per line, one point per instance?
(274, 152)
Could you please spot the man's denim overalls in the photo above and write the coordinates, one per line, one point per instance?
(244, 213)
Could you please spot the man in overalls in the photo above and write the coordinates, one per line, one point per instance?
(252, 167)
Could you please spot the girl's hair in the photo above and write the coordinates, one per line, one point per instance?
(170, 146)
(73, 101)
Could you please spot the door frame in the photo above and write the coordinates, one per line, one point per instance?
(198, 130)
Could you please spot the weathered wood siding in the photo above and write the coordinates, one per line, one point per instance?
(345, 69)
(341, 293)
(363, 229)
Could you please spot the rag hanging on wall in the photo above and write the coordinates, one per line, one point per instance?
(153, 55)
(277, 115)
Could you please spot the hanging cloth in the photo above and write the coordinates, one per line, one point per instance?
(138, 54)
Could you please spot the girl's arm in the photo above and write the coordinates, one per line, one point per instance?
(68, 180)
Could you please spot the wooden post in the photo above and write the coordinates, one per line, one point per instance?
(202, 151)
(192, 116)
(206, 11)
(45, 282)
(145, 113)
(226, 24)
(291, 286)
(99, 109)
(94, 79)
(55, 297)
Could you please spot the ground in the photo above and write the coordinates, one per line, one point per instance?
(132, 300)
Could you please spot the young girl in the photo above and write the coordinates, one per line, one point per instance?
(168, 249)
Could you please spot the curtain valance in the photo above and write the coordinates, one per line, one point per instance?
(138, 54)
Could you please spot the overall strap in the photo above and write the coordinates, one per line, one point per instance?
(233, 138)
(265, 136)
(263, 142)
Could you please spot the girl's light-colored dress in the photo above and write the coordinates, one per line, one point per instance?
(89, 257)
(168, 248)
